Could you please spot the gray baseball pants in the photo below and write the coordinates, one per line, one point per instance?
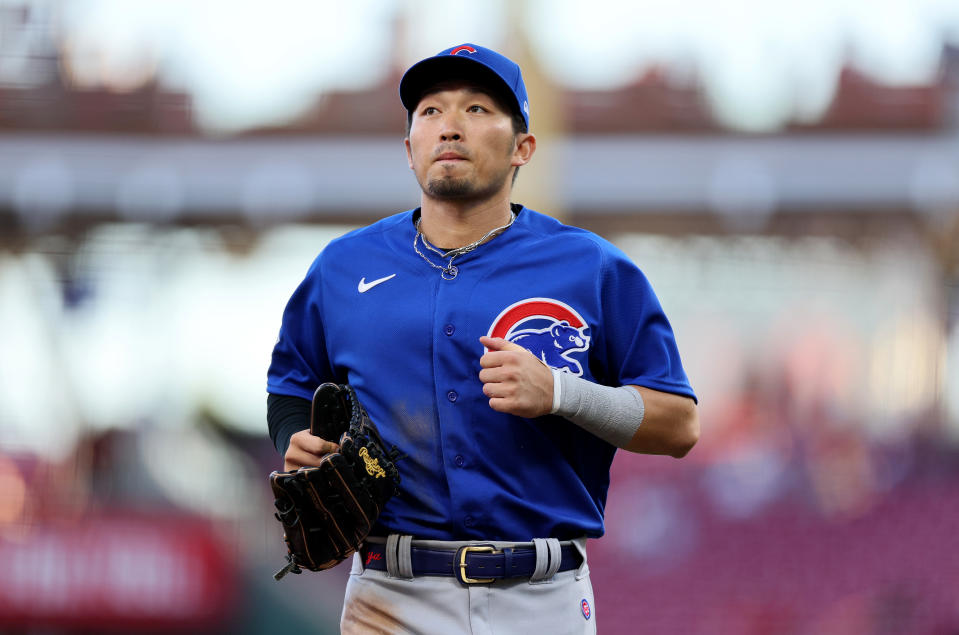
(394, 601)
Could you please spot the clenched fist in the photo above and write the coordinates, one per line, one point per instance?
(515, 381)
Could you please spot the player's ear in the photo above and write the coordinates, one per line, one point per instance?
(524, 149)
(409, 154)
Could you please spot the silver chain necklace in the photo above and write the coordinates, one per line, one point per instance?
(450, 271)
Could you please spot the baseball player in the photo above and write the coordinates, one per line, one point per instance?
(508, 355)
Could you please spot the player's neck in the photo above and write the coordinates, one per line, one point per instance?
(451, 224)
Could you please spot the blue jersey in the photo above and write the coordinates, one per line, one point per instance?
(373, 314)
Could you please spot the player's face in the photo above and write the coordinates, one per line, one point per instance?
(462, 145)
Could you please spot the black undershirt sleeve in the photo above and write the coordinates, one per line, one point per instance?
(286, 416)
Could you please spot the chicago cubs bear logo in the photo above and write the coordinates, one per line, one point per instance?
(549, 329)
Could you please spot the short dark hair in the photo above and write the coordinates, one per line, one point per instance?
(503, 99)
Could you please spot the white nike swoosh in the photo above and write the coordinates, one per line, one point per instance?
(365, 286)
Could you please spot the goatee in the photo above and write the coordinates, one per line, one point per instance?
(449, 187)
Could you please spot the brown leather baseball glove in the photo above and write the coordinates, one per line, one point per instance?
(327, 511)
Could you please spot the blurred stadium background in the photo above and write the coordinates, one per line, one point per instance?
(786, 173)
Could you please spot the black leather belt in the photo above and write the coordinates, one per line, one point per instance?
(472, 564)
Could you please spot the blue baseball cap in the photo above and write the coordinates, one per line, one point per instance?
(466, 61)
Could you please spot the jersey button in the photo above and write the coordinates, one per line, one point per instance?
(452, 396)
(449, 329)
(459, 460)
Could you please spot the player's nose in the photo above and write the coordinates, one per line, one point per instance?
(450, 135)
(451, 128)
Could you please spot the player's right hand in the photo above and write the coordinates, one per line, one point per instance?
(306, 450)
(513, 378)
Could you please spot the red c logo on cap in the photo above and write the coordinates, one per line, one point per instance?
(460, 49)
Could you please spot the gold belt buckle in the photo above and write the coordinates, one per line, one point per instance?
(461, 569)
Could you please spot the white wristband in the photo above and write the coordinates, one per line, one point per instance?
(557, 390)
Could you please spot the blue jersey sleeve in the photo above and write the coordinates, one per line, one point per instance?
(300, 362)
(640, 346)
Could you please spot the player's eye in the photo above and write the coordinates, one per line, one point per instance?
(429, 110)
(476, 108)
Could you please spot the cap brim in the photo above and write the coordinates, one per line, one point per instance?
(426, 74)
